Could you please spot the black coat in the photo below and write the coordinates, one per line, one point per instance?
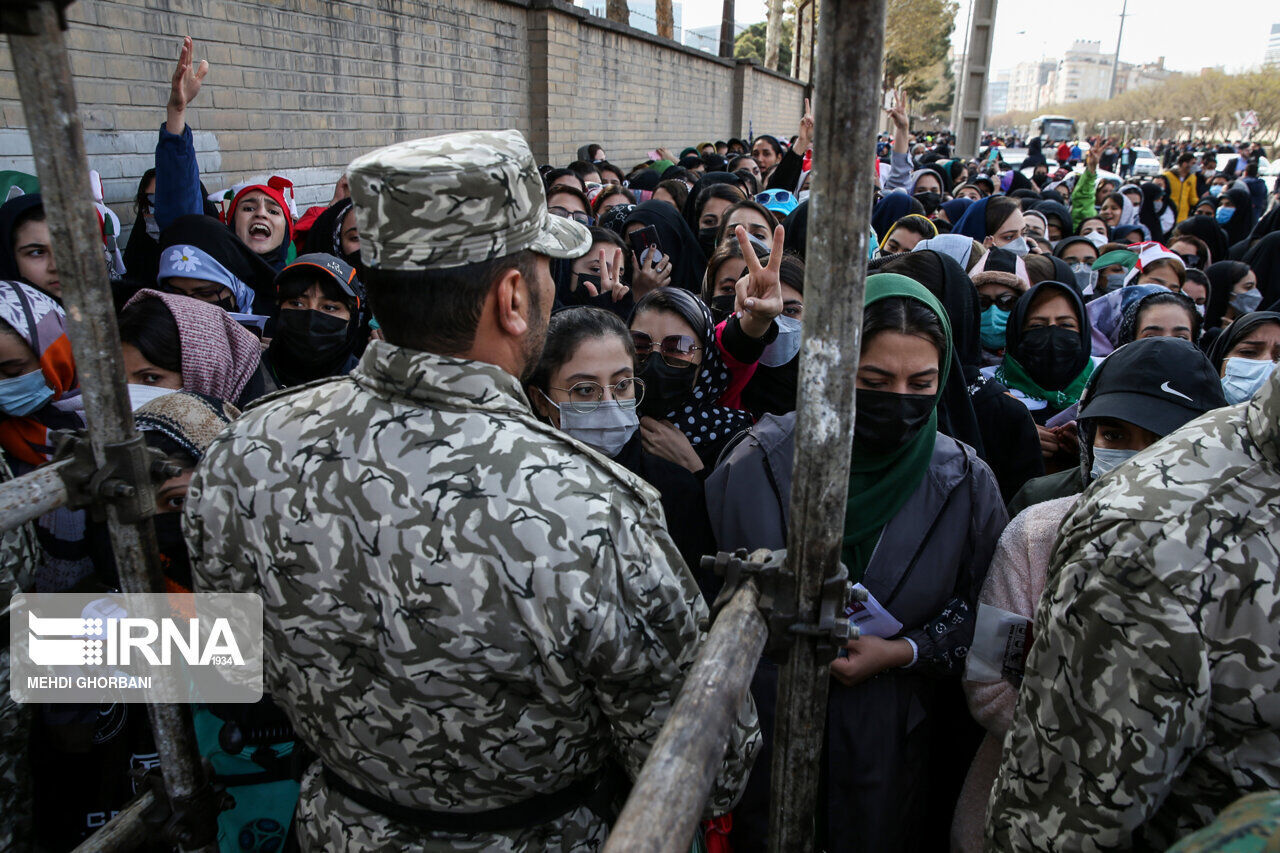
(899, 744)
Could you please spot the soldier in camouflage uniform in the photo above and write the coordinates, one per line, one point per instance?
(1152, 699)
(465, 610)
(18, 555)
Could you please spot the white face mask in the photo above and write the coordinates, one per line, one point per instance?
(1104, 459)
(1097, 238)
(607, 428)
(786, 346)
(803, 195)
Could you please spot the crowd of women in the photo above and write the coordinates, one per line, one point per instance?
(1022, 330)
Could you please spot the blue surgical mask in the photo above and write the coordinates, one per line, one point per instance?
(1224, 214)
(24, 394)
(786, 346)
(1215, 190)
(1086, 277)
(1243, 378)
(1018, 245)
(994, 322)
(1104, 459)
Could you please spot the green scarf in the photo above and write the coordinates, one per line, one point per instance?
(880, 483)
(1015, 376)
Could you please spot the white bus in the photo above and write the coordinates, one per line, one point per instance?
(1053, 129)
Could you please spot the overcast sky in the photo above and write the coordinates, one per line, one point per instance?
(1189, 35)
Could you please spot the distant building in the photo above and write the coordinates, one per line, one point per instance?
(1030, 85)
(1083, 74)
(1272, 56)
(644, 14)
(998, 94)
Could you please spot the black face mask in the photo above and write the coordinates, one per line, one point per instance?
(1049, 354)
(886, 421)
(772, 390)
(666, 388)
(228, 304)
(929, 200)
(175, 562)
(707, 240)
(311, 335)
(722, 306)
(353, 261)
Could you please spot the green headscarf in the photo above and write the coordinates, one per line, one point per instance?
(1013, 374)
(880, 483)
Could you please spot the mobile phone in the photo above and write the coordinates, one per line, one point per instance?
(889, 99)
(653, 155)
(645, 238)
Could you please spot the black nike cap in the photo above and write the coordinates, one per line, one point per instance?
(1156, 383)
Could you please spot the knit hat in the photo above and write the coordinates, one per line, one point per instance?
(184, 422)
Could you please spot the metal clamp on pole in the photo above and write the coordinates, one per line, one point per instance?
(778, 602)
(128, 463)
(189, 821)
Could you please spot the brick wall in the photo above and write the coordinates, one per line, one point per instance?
(300, 87)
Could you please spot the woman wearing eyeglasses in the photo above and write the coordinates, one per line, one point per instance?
(585, 385)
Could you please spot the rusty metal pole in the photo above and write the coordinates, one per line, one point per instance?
(43, 72)
(846, 111)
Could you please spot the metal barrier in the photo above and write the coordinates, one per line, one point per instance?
(121, 480)
(661, 813)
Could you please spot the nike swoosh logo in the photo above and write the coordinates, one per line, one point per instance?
(1165, 387)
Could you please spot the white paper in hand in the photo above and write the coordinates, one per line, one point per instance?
(1001, 641)
(870, 617)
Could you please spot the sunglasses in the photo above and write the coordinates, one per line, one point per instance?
(1004, 301)
(676, 350)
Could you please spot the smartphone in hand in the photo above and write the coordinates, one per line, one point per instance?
(645, 238)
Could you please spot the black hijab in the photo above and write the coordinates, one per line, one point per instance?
(10, 212)
(326, 232)
(1236, 332)
(797, 227)
(943, 276)
(1208, 230)
(1222, 278)
(1264, 260)
(688, 263)
(1058, 211)
(221, 243)
(1147, 215)
(646, 180)
(1014, 334)
(890, 209)
(1241, 223)
(708, 425)
(691, 203)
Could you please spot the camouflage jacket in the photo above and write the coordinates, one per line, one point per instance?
(1152, 696)
(463, 607)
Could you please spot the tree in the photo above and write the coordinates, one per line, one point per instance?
(772, 33)
(666, 24)
(750, 44)
(616, 10)
(917, 36)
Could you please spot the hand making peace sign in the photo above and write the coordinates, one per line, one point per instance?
(759, 292)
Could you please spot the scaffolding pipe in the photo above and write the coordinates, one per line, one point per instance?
(846, 113)
(30, 496)
(126, 831)
(43, 71)
(666, 802)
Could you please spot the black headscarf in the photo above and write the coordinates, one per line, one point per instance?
(1222, 276)
(615, 218)
(1035, 157)
(797, 227)
(326, 231)
(946, 280)
(708, 425)
(691, 203)
(688, 263)
(1241, 223)
(1236, 332)
(646, 180)
(10, 212)
(1147, 215)
(1207, 229)
(220, 243)
(1018, 316)
(1264, 260)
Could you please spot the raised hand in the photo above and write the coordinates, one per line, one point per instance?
(804, 136)
(186, 83)
(652, 271)
(610, 278)
(1092, 158)
(759, 292)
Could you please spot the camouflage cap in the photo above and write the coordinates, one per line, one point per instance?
(456, 199)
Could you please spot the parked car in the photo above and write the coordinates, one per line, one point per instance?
(1145, 162)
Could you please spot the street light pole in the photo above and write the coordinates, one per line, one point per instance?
(1115, 60)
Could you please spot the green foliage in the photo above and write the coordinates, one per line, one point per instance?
(917, 37)
(750, 42)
